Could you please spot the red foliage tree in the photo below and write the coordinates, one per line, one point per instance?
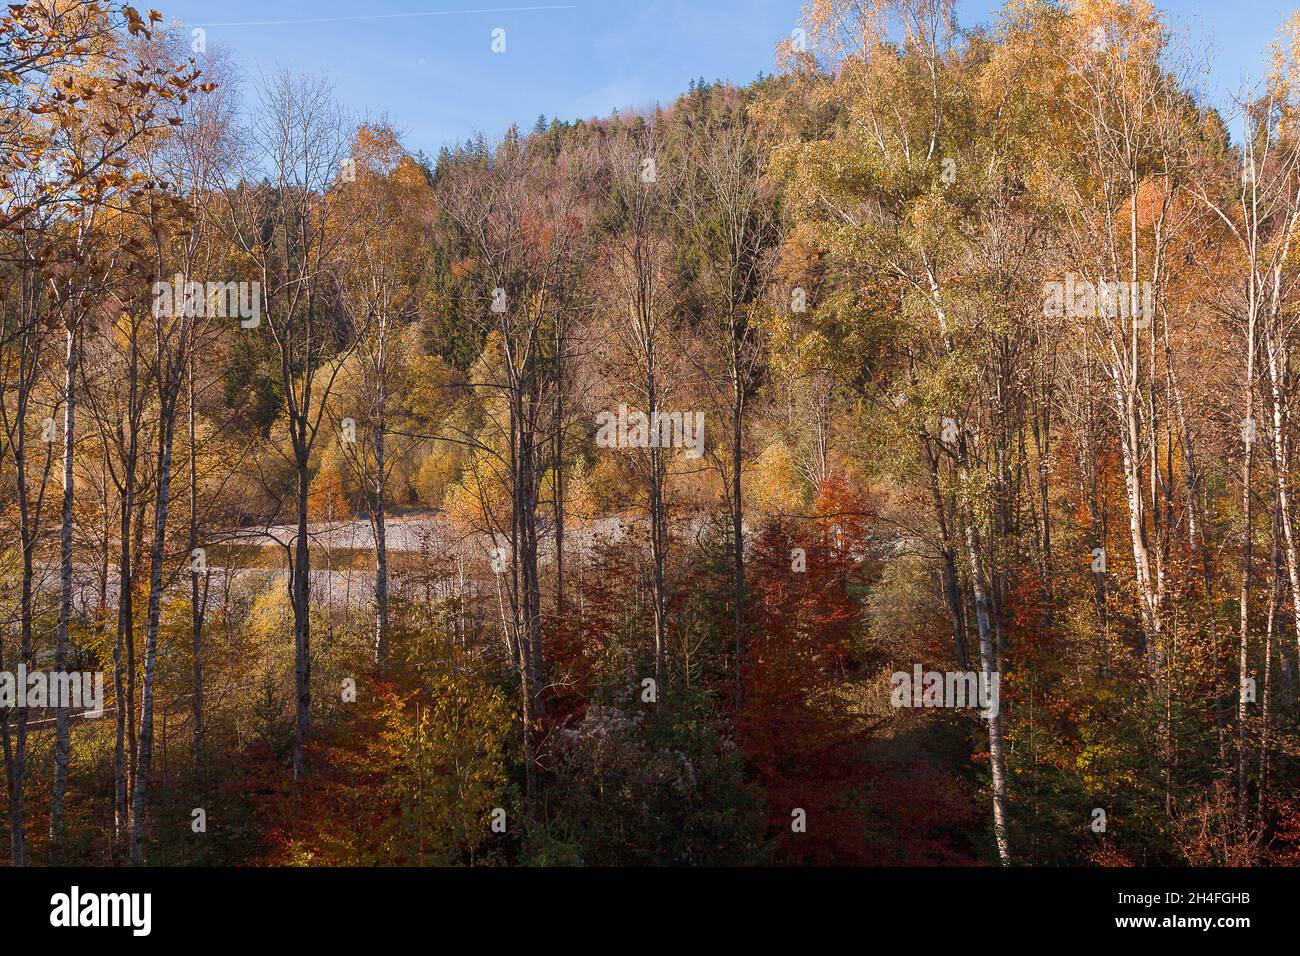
(797, 736)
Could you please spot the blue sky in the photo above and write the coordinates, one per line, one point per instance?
(435, 77)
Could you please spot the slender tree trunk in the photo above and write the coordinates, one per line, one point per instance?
(197, 599)
(380, 504)
(990, 666)
(381, 549)
(530, 581)
(63, 721)
(15, 752)
(132, 736)
(658, 525)
(947, 553)
(1247, 550)
(1131, 446)
(123, 658)
(140, 794)
(525, 594)
(1248, 439)
(1282, 470)
(301, 591)
(1275, 575)
(557, 469)
(15, 747)
(738, 517)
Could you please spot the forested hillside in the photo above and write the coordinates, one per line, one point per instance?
(891, 461)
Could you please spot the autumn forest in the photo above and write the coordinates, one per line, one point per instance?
(886, 462)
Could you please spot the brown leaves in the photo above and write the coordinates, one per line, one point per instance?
(134, 24)
(92, 98)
